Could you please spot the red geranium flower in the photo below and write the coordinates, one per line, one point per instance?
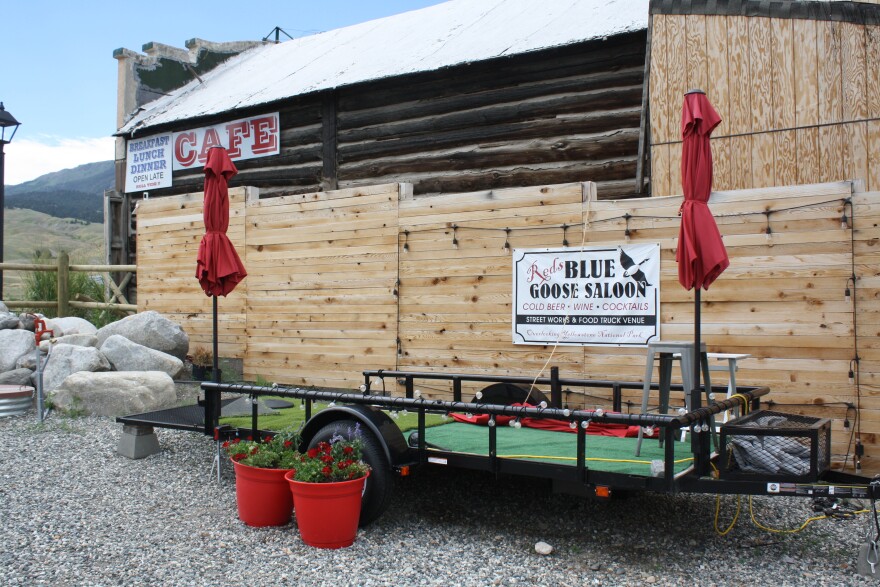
(238, 457)
(343, 464)
(313, 452)
(324, 447)
(226, 444)
(327, 471)
(268, 439)
(236, 441)
(348, 450)
(327, 458)
(288, 444)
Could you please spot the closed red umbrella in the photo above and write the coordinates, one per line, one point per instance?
(701, 255)
(218, 267)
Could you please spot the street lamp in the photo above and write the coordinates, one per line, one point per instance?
(7, 121)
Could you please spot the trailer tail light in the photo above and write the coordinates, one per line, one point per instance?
(404, 471)
(603, 491)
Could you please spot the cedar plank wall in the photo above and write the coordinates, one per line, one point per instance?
(322, 300)
(169, 231)
(799, 98)
(320, 304)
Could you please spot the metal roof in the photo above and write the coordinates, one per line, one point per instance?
(451, 33)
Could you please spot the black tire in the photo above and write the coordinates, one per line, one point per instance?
(378, 489)
(506, 394)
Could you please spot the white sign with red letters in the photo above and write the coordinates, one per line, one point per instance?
(150, 160)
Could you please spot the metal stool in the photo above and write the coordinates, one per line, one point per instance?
(668, 352)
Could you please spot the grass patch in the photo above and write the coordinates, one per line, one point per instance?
(293, 418)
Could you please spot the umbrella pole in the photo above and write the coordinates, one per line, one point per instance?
(701, 440)
(212, 398)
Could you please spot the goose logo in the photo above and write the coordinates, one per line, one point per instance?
(633, 269)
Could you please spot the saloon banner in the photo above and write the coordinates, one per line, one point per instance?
(149, 161)
(607, 296)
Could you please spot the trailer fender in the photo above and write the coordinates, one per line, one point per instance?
(383, 428)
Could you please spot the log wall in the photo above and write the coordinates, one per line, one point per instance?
(337, 278)
(799, 95)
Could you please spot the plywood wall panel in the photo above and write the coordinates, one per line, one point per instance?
(717, 84)
(658, 84)
(739, 81)
(761, 73)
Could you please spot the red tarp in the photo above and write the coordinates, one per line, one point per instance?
(595, 428)
(701, 255)
(218, 267)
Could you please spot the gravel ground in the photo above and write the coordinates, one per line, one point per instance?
(76, 513)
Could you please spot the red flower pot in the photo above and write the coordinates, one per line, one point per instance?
(262, 495)
(327, 513)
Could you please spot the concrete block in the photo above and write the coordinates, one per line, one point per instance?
(138, 442)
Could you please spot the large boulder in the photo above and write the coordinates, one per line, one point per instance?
(8, 321)
(16, 377)
(74, 339)
(74, 325)
(114, 393)
(14, 344)
(126, 355)
(67, 359)
(151, 330)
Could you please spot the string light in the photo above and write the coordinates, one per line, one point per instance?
(454, 236)
(573, 425)
(847, 294)
(492, 421)
(853, 366)
(506, 239)
(564, 236)
(405, 241)
(768, 231)
(844, 221)
(626, 233)
(585, 424)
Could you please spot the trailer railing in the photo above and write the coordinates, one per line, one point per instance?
(669, 425)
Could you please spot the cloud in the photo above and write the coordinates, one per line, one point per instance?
(27, 159)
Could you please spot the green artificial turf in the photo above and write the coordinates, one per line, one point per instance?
(292, 418)
(603, 453)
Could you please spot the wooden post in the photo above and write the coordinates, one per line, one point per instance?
(63, 293)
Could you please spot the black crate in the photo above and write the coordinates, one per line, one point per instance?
(776, 447)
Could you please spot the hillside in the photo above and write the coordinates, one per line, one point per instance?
(28, 231)
(69, 193)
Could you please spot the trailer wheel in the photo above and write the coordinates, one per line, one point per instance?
(378, 489)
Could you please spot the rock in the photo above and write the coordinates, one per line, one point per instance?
(150, 329)
(66, 359)
(57, 331)
(9, 321)
(543, 548)
(3, 307)
(596, 567)
(14, 344)
(75, 325)
(74, 339)
(27, 361)
(16, 377)
(114, 393)
(27, 321)
(126, 355)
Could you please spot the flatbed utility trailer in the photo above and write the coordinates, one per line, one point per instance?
(580, 463)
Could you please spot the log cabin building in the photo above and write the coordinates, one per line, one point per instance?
(506, 124)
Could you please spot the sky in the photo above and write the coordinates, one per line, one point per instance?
(58, 75)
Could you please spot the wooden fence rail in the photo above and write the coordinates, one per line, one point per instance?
(63, 267)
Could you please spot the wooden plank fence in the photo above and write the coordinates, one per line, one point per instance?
(337, 278)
